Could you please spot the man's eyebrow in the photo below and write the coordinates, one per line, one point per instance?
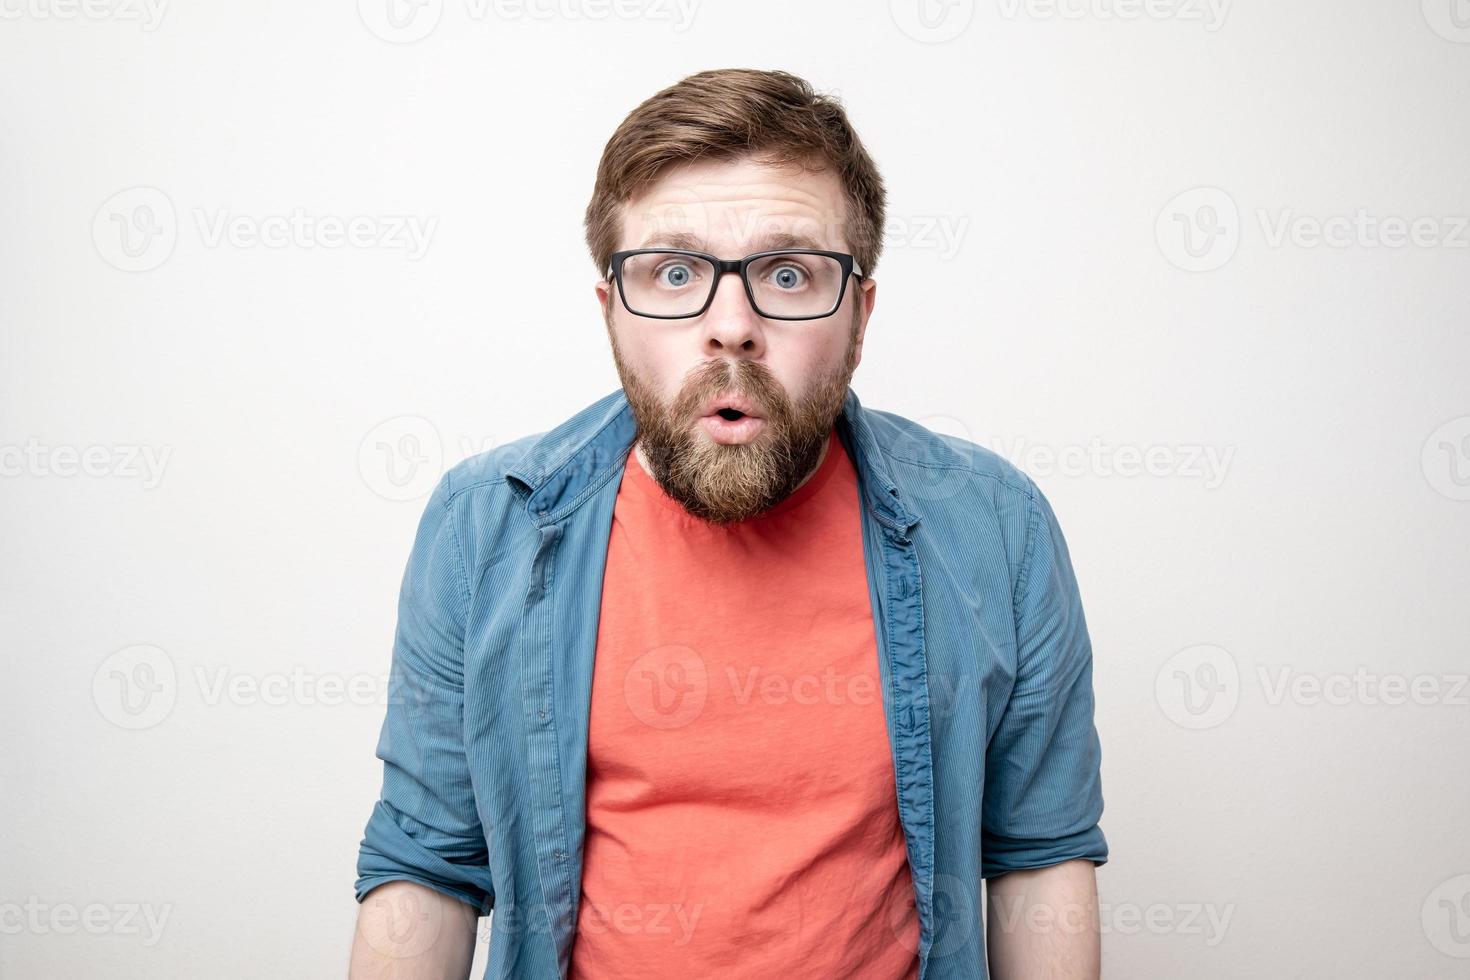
(766, 243)
(674, 240)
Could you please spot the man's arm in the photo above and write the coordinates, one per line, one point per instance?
(408, 932)
(1042, 924)
(1043, 789)
(423, 868)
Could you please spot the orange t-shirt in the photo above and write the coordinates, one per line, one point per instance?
(742, 819)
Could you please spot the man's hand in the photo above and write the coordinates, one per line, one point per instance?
(408, 932)
(1042, 924)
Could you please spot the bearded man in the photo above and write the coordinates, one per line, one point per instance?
(728, 675)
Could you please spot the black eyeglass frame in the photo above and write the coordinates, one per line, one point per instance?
(723, 267)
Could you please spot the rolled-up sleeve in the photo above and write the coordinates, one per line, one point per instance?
(1043, 786)
(425, 827)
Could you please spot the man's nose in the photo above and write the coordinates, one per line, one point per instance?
(731, 325)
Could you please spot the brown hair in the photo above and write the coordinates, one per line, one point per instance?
(725, 114)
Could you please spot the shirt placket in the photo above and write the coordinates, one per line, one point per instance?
(896, 592)
(547, 810)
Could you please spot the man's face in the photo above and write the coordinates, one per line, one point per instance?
(788, 376)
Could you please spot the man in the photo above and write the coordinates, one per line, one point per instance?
(729, 675)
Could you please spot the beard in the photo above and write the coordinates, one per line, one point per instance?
(723, 484)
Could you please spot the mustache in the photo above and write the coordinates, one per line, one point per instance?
(746, 378)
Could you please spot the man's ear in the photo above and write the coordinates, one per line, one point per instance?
(604, 292)
(867, 297)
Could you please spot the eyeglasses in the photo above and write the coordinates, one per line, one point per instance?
(790, 284)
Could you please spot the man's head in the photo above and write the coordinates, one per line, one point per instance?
(732, 163)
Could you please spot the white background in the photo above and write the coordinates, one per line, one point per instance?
(1038, 295)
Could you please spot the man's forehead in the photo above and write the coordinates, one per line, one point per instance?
(740, 205)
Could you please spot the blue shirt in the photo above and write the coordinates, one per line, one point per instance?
(984, 659)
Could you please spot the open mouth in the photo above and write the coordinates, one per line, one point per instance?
(730, 418)
(731, 425)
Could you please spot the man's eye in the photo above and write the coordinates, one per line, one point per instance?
(674, 274)
(788, 277)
